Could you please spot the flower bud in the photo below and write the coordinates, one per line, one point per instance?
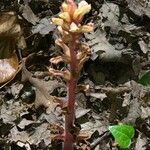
(70, 7)
(58, 21)
(83, 8)
(65, 16)
(64, 7)
(74, 27)
(87, 28)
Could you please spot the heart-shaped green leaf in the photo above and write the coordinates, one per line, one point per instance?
(145, 79)
(122, 134)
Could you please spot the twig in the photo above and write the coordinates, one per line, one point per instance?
(98, 140)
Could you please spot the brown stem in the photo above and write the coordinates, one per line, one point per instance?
(72, 84)
(70, 116)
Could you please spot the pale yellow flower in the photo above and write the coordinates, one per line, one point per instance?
(70, 7)
(65, 16)
(64, 7)
(71, 16)
(63, 32)
(58, 21)
(87, 28)
(60, 29)
(83, 8)
(74, 27)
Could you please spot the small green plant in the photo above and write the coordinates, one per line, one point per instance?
(145, 79)
(122, 134)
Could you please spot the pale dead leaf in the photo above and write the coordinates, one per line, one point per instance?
(11, 110)
(101, 47)
(40, 133)
(15, 89)
(43, 27)
(141, 142)
(15, 135)
(126, 101)
(110, 11)
(24, 122)
(8, 68)
(29, 15)
(145, 112)
(7, 21)
(22, 145)
(80, 112)
(138, 8)
(100, 96)
(144, 47)
(93, 126)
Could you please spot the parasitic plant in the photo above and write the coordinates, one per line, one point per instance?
(75, 53)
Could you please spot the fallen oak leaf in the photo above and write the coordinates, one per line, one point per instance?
(43, 89)
(42, 95)
(10, 34)
(43, 27)
(10, 38)
(8, 68)
(28, 14)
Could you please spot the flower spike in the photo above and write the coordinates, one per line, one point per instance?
(75, 53)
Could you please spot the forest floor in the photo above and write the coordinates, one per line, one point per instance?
(117, 75)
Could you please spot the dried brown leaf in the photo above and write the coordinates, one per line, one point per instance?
(10, 34)
(8, 68)
(141, 142)
(29, 15)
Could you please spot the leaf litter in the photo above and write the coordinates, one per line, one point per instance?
(121, 37)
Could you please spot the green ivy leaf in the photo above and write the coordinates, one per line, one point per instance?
(145, 79)
(122, 134)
